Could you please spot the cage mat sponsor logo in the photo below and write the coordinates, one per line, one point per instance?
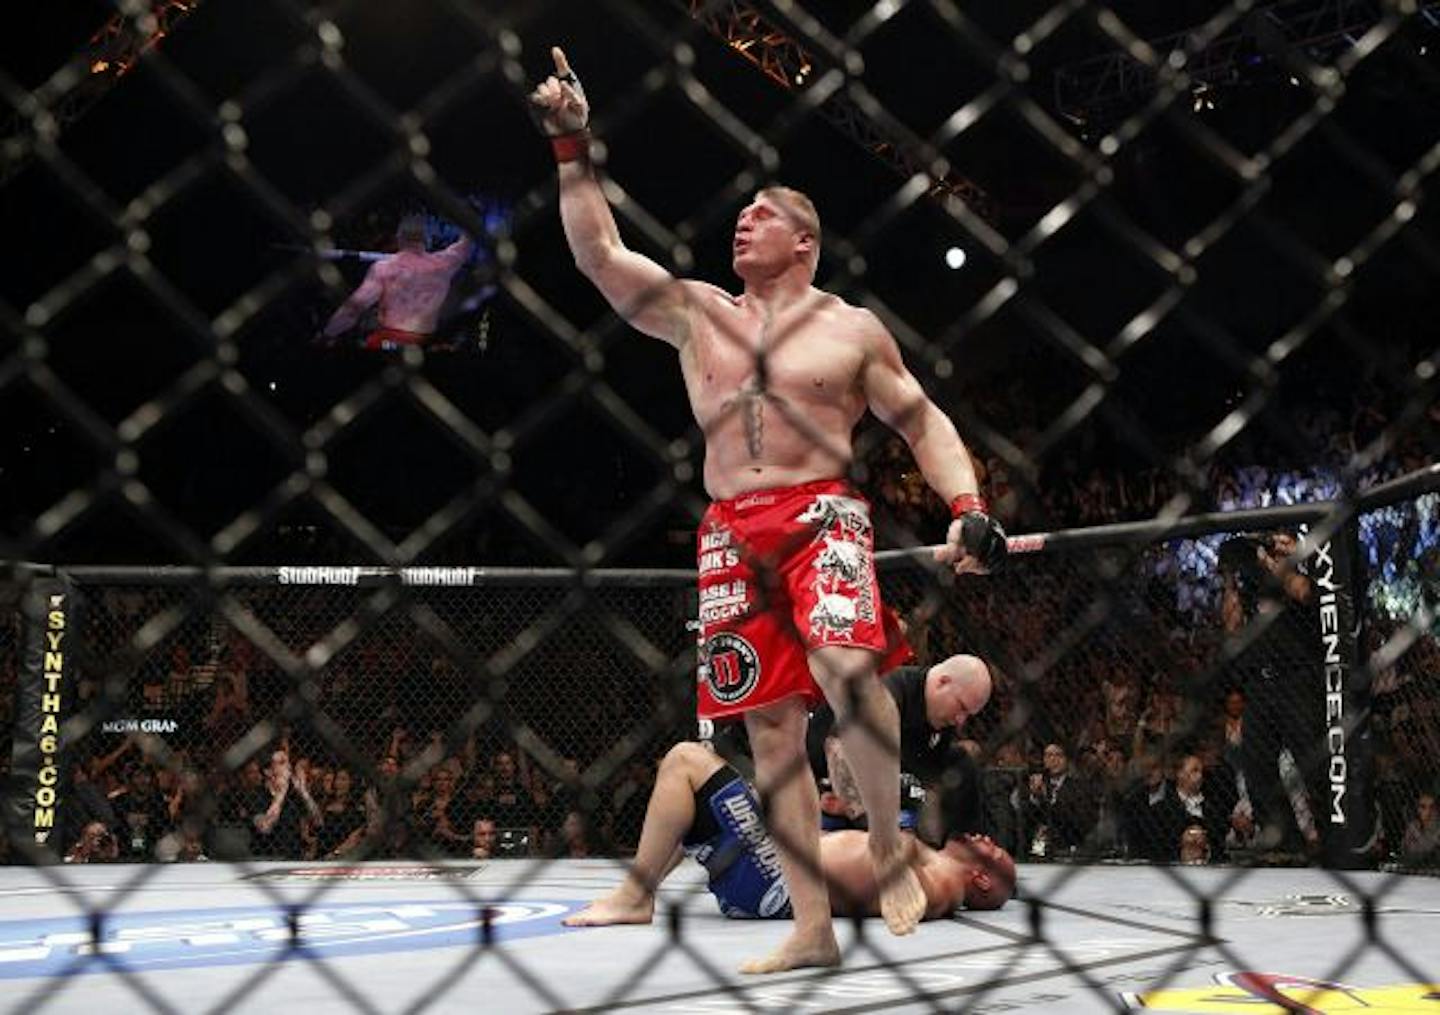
(1252, 993)
(407, 873)
(196, 938)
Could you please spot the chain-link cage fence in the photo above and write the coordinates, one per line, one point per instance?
(1153, 263)
(1400, 612)
(1137, 659)
(168, 747)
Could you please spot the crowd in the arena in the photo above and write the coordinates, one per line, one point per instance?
(1123, 749)
(1130, 745)
(1129, 767)
(1351, 448)
(293, 803)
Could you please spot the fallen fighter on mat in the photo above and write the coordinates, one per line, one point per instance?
(700, 805)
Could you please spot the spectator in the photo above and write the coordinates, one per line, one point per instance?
(154, 701)
(1001, 786)
(577, 838)
(402, 746)
(96, 845)
(229, 715)
(341, 816)
(189, 809)
(547, 813)
(512, 804)
(180, 681)
(1112, 780)
(89, 802)
(483, 839)
(1233, 727)
(1393, 795)
(439, 818)
(276, 810)
(386, 831)
(1193, 846)
(144, 815)
(1196, 801)
(1421, 844)
(477, 800)
(1059, 807)
(1158, 721)
(1143, 820)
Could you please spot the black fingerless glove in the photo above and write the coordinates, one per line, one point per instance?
(980, 534)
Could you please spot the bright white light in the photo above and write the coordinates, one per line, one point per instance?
(272, 385)
(955, 258)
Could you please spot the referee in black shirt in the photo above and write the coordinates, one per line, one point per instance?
(934, 705)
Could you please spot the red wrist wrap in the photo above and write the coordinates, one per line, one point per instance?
(571, 147)
(967, 502)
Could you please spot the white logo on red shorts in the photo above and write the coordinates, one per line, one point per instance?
(843, 559)
(833, 614)
(832, 509)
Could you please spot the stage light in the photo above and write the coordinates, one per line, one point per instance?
(955, 258)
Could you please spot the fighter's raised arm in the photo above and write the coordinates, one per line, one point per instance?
(975, 542)
(641, 291)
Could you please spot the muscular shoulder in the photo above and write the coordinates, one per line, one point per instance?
(705, 301)
(860, 320)
(843, 316)
(865, 327)
(708, 295)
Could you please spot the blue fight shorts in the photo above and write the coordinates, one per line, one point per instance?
(728, 838)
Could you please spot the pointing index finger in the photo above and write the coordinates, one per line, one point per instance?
(562, 65)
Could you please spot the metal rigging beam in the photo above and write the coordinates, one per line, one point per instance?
(1099, 90)
(772, 47)
(110, 54)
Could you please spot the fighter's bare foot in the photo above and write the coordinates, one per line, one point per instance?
(902, 899)
(797, 953)
(615, 908)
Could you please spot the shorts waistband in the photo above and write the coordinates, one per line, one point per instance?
(399, 335)
(772, 494)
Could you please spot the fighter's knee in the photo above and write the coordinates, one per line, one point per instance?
(685, 755)
(836, 668)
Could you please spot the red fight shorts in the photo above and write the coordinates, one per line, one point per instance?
(783, 572)
(394, 338)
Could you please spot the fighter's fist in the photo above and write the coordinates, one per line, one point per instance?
(560, 100)
(975, 542)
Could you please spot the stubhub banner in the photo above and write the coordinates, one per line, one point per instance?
(196, 938)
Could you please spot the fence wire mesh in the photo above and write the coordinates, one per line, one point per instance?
(1198, 275)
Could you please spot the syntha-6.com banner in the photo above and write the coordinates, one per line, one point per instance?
(43, 696)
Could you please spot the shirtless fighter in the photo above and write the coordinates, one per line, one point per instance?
(410, 287)
(700, 805)
(789, 608)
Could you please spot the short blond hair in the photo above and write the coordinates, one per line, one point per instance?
(801, 210)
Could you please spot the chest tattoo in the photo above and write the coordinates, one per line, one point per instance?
(755, 392)
(752, 408)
